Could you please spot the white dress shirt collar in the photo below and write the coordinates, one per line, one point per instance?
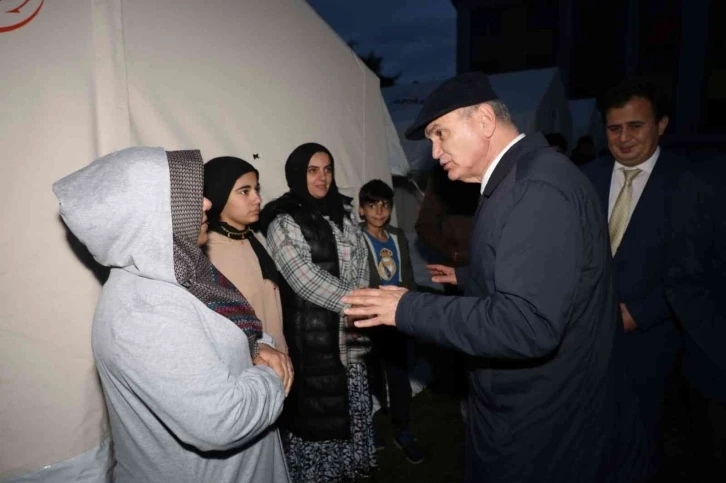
(617, 181)
(646, 165)
(490, 170)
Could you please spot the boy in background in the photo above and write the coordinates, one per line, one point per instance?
(389, 264)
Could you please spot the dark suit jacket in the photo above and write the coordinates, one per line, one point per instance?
(696, 274)
(640, 264)
(641, 258)
(540, 319)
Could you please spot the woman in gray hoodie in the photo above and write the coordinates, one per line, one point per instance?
(185, 402)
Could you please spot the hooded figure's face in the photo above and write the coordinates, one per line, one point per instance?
(319, 175)
(202, 239)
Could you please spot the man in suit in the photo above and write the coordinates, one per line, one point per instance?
(635, 184)
(539, 314)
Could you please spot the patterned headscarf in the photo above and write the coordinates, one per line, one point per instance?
(191, 267)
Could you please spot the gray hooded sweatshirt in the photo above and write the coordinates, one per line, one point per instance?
(185, 402)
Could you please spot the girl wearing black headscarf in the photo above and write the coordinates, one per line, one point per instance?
(233, 187)
(321, 256)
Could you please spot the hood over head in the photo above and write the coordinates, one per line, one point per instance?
(119, 206)
(140, 210)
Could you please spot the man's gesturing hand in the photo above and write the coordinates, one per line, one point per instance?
(377, 306)
(442, 274)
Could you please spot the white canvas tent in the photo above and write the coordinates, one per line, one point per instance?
(587, 121)
(536, 98)
(251, 78)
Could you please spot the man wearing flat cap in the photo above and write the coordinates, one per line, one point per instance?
(539, 315)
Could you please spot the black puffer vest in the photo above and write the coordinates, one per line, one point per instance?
(317, 407)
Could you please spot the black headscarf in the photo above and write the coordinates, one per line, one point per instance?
(296, 173)
(220, 175)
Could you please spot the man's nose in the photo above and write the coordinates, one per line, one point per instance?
(436, 151)
(624, 134)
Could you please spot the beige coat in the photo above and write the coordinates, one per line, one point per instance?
(238, 262)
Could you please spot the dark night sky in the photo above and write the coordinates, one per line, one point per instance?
(415, 37)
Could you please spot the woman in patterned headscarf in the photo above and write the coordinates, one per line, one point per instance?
(321, 255)
(185, 402)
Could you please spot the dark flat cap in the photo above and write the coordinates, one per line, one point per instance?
(464, 90)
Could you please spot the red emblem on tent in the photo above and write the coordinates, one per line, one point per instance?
(19, 16)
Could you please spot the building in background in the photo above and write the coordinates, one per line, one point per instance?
(678, 43)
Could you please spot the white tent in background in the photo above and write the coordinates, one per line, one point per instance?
(587, 121)
(536, 99)
(250, 78)
(404, 102)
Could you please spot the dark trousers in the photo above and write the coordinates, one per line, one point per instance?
(388, 366)
(650, 361)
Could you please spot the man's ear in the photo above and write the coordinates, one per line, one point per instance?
(486, 117)
(662, 125)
